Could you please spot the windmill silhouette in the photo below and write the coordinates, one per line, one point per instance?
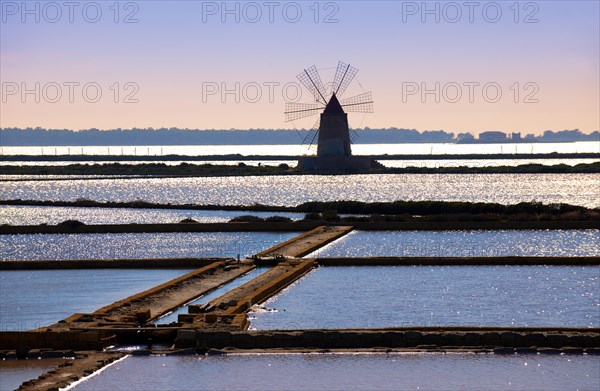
(331, 131)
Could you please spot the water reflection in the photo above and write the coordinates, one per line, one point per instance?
(347, 297)
(350, 372)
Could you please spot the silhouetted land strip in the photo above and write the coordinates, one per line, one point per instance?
(459, 261)
(330, 210)
(236, 157)
(202, 137)
(296, 226)
(209, 170)
(398, 215)
(151, 263)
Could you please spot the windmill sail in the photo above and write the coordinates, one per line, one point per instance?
(312, 135)
(294, 111)
(312, 81)
(362, 103)
(344, 75)
(353, 135)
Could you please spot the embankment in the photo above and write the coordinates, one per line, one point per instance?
(153, 263)
(459, 261)
(296, 226)
(228, 312)
(404, 337)
(307, 242)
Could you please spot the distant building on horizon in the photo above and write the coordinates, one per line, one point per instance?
(492, 137)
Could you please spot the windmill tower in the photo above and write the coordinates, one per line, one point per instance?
(331, 131)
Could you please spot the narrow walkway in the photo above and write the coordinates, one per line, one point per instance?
(228, 312)
(307, 242)
(150, 304)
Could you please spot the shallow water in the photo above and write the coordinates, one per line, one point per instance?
(35, 298)
(351, 372)
(220, 291)
(386, 296)
(432, 163)
(465, 243)
(137, 245)
(578, 189)
(290, 163)
(298, 149)
(14, 372)
(435, 163)
(34, 215)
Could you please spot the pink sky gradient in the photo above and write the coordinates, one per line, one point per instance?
(171, 53)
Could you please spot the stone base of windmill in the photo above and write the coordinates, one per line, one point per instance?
(337, 163)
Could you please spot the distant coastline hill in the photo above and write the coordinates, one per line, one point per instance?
(175, 136)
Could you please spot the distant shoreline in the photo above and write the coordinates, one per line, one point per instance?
(204, 137)
(234, 157)
(143, 170)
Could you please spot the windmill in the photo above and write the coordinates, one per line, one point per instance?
(331, 131)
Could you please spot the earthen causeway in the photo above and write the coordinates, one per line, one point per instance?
(221, 325)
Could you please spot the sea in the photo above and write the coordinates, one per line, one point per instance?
(298, 149)
(328, 296)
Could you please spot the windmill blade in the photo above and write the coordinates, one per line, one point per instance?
(344, 75)
(313, 134)
(312, 81)
(353, 135)
(362, 103)
(294, 111)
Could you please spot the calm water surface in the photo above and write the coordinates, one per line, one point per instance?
(465, 243)
(35, 298)
(15, 372)
(137, 245)
(579, 189)
(298, 149)
(386, 296)
(433, 163)
(34, 215)
(350, 372)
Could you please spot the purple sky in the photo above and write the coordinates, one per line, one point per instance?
(191, 64)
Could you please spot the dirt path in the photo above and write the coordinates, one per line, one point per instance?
(84, 365)
(229, 312)
(146, 306)
(307, 242)
(166, 297)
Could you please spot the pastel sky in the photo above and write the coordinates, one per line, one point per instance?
(171, 65)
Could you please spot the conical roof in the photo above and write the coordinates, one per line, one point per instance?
(334, 106)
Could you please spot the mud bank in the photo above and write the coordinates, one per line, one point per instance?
(307, 242)
(459, 261)
(295, 226)
(229, 312)
(151, 263)
(414, 337)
